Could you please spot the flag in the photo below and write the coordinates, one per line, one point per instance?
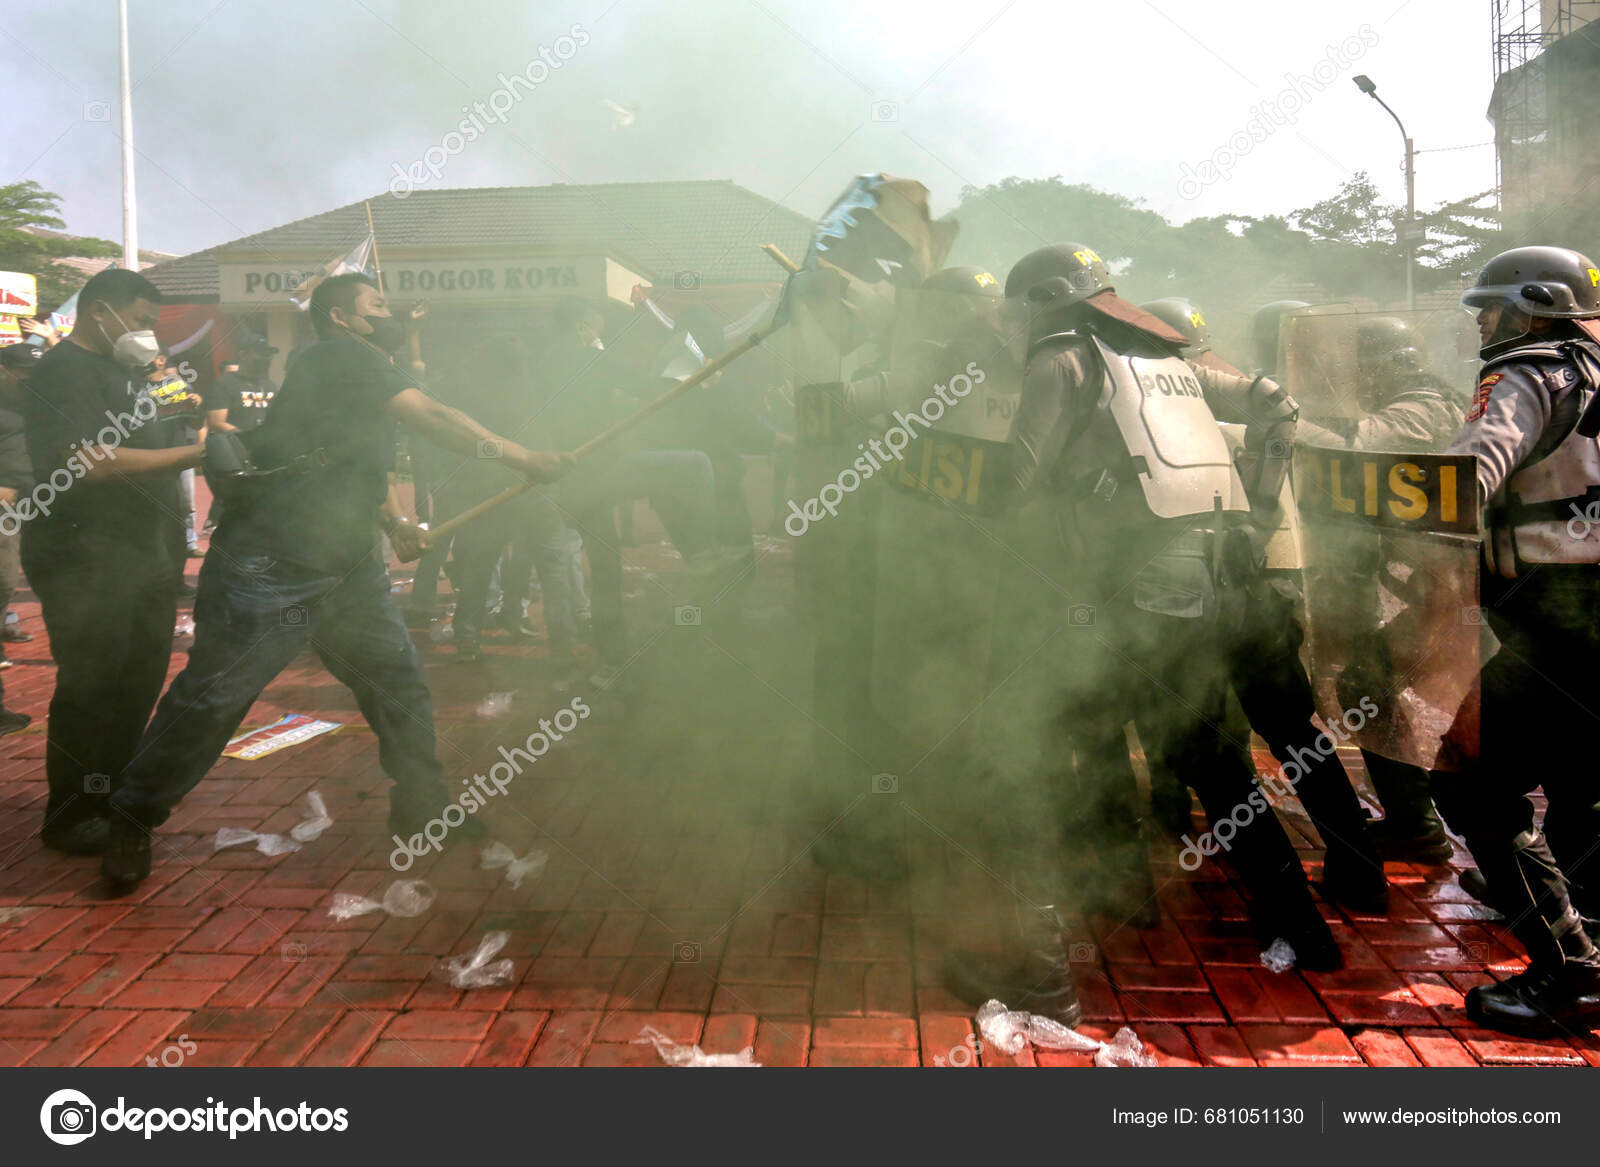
(358, 258)
(64, 317)
(683, 360)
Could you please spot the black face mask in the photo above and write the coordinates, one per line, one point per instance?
(387, 332)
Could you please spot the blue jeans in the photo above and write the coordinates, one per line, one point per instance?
(252, 616)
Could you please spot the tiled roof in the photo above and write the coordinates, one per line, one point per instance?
(712, 227)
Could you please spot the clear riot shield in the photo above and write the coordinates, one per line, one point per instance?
(960, 580)
(1320, 354)
(1394, 635)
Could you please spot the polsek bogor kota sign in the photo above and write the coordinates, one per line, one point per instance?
(513, 279)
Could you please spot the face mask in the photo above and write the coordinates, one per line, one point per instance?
(387, 332)
(133, 350)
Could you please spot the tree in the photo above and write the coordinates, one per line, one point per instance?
(25, 205)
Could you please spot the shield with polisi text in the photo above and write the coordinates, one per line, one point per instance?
(1394, 632)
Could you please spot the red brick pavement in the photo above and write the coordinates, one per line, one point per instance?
(652, 911)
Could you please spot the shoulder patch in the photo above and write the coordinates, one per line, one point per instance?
(1480, 399)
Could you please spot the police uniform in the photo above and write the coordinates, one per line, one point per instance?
(1539, 477)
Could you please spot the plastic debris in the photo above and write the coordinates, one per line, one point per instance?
(184, 627)
(441, 632)
(404, 897)
(316, 821)
(266, 844)
(1278, 958)
(495, 705)
(499, 855)
(475, 970)
(674, 1054)
(1124, 1050)
(1009, 1031)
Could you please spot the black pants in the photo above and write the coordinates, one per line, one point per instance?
(109, 612)
(1538, 697)
(1275, 693)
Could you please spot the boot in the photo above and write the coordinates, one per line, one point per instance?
(126, 863)
(1355, 880)
(1410, 830)
(1541, 1001)
(1041, 982)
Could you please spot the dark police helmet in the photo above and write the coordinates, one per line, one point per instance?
(967, 281)
(1059, 275)
(1182, 314)
(1552, 282)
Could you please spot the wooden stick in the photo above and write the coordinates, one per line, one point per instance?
(704, 373)
(780, 258)
(376, 263)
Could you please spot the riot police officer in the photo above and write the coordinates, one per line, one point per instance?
(1115, 427)
(1532, 427)
(1404, 407)
(1263, 668)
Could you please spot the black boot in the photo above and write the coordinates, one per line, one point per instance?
(1410, 830)
(126, 863)
(1540, 1001)
(79, 836)
(1041, 982)
(1355, 880)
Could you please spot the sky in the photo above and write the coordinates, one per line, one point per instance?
(251, 114)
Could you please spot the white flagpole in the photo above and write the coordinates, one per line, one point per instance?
(130, 211)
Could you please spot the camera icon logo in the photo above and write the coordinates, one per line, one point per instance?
(68, 1117)
(1081, 280)
(686, 952)
(491, 448)
(686, 281)
(1278, 448)
(1472, 616)
(1081, 953)
(97, 784)
(1475, 952)
(294, 616)
(292, 952)
(1080, 615)
(96, 111)
(686, 616)
(885, 111)
(885, 784)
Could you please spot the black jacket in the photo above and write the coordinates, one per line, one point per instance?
(16, 471)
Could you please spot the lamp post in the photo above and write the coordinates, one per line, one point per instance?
(1408, 230)
(130, 207)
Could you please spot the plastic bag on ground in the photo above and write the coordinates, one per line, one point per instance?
(316, 821)
(476, 970)
(404, 897)
(674, 1054)
(266, 844)
(1278, 958)
(499, 855)
(496, 855)
(1009, 1031)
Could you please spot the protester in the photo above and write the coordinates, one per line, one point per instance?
(96, 546)
(17, 362)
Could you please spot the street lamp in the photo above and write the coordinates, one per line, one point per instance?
(1407, 232)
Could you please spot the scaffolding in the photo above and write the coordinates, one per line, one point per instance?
(1528, 145)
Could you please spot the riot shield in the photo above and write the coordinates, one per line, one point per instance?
(963, 580)
(1324, 367)
(1394, 635)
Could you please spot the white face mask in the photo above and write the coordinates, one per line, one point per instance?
(133, 349)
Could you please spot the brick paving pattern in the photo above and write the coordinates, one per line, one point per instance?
(712, 927)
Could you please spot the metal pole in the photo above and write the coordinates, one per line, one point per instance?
(1411, 226)
(130, 209)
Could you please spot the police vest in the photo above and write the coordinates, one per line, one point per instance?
(1153, 421)
(1550, 511)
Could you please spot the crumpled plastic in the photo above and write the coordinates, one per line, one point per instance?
(184, 627)
(1279, 957)
(316, 821)
(1009, 1031)
(674, 1054)
(404, 898)
(499, 855)
(266, 844)
(495, 705)
(475, 970)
